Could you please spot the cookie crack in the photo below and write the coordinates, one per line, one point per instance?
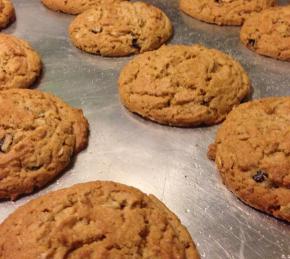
(80, 244)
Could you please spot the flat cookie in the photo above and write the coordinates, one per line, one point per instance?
(7, 13)
(20, 65)
(183, 85)
(224, 12)
(252, 153)
(39, 134)
(95, 220)
(268, 33)
(121, 29)
(75, 7)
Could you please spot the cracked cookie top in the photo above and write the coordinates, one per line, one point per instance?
(183, 85)
(7, 13)
(268, 33)
(39, 134)
(20, 65)
(120, 29)
(75, 7)
(252, 153)
(224, 12)
(95, 220)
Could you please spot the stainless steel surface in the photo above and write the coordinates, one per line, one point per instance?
(168, 162)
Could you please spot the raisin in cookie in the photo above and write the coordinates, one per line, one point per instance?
(75, 7)
(268, 33)
(252, 153)
(183, 85)
(20, 65)
(224, 12)
(39, 134)
(95, 220)
(120, 29)
(7, 13)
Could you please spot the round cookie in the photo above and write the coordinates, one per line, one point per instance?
(224, 12)
(252, 153)
(75, 7)
(120, 29)
(39, 134)
(95, 220)
(182, 85)
(7, 13)
(20, 65)
(268, 33)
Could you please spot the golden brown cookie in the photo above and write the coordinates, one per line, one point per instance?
(7, 13)
(183, 85)
(268, 33)
(120, 29)
(75, 7)
(95, 220)
(252, 153)
(224, 12)
(20, 65)
(39, 134)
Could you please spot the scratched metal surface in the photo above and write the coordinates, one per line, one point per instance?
(168, 162)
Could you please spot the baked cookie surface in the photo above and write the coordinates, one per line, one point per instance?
(268, 33)
(224, 12)
(75, 7)
(183, 85)
(7, 13)
(20, 65)
(252, 153)
(120, 29)
(95, 220)
(39, 134)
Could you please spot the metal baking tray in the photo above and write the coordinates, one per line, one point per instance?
(166, 161)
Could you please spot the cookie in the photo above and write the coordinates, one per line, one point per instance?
(95, 220)
(7, 13)
(224, 12)
(75, 7)
(39, 134)
(182, 85)
(120, 29)
(268, 33)
(20, 65)
(252, 153)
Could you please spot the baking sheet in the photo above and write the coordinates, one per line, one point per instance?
(168, 162)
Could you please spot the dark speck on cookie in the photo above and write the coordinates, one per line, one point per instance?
(135, 44)
(260, 176)
(251, 42)
(1, 143)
